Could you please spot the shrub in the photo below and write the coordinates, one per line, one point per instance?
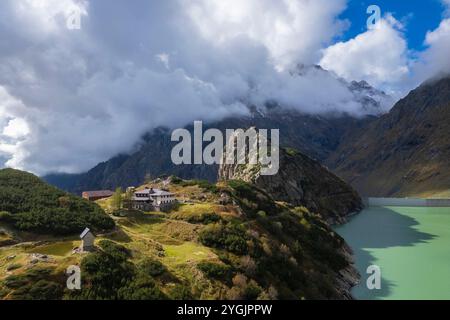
(35, 284)
(115, 250)
(244, 289)
(15, 281)
(231, 238)
(45, 290)
(141, 288)
(252, 199)
(6, 216)
(262, 214)
(32, 205)
(3, 292)
(215, 270)
(110, 275)
(252, 291)
(105, 273)
(204, 184)
(152, 267)
(204, 218)
(14, 266)
(180, 292)
(248, 265)
(176, 180)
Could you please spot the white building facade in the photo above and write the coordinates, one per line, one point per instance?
(151, 199)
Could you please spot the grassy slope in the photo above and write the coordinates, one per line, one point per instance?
(174, 241)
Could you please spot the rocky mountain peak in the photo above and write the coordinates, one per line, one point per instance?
(300, 181)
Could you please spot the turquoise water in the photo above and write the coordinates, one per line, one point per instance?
(410, 245)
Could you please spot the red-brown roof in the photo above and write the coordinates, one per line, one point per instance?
(98, 193)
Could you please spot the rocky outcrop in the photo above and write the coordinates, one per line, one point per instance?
(348, 277)
(301, 181)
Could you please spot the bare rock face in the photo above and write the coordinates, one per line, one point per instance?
(301, 181)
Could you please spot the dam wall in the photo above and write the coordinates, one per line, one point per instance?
(406, 202)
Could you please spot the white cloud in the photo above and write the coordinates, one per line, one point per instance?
(72, 98)
(378, 56)
(43, 18)
(16, 128)
(381, 56)
(87, 94)
(434, 61)
(291, 30)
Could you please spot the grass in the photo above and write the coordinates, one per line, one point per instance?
(105, 204)
(169, 239)
(5, 238)
(195, 208)
(19, 255)
(155, 228)
(187, 253)
(55, 249)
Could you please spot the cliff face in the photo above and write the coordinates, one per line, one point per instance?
(301, 181)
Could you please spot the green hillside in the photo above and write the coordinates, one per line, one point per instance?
(224, 241)
(29, 204)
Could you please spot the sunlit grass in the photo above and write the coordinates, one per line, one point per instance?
(55, 249)
(188, 252)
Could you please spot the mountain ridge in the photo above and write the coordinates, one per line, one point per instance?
(405, 152)
(316, 135)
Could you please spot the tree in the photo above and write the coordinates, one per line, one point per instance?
(127, 201)
(116, 200)
(35, 206)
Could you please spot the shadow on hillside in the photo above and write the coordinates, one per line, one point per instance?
(378, 228)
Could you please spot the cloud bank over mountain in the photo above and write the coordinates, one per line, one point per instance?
(378, 55)
(72, 98)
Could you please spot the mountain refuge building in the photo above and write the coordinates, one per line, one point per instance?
(151, 199)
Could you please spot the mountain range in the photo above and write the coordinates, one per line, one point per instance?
(402, 152)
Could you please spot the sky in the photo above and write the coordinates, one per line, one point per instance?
(419, 16)
(75, 92)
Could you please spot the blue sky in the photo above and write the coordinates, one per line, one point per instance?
(419, 16)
